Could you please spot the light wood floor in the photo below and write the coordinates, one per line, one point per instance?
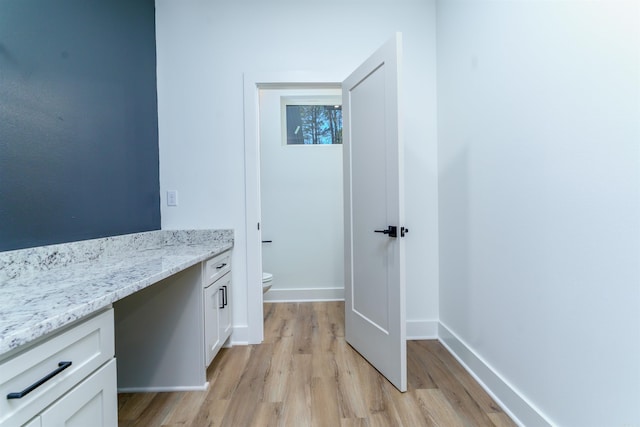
(305, 374)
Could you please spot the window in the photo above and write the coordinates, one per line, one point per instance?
(309, 121)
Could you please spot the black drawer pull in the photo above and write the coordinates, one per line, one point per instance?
(61, 367)
(223, 265)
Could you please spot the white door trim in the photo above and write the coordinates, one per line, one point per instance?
(253, 82)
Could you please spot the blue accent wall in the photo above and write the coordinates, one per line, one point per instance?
(78, 120)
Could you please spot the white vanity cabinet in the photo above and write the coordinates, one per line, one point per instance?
(67, 379)
(217, 310)
(137, 296)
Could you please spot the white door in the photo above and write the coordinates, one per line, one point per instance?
(373, 188)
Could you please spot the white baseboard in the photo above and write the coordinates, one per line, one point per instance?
(203, 387)
(422, 329)
(511, 401)
(304, 295)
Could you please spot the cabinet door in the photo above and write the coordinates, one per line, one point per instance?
(224, 313)
(93, 402)
(212, 302)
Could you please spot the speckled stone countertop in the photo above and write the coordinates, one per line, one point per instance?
(45, 288)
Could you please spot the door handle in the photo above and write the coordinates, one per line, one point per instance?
(392, 231)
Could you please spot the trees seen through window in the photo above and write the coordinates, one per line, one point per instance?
(314, 124)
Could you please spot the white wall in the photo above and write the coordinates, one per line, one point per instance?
(539, 201)
(302, 208)
(203, 49)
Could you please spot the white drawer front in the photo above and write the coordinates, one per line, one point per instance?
(86, 345)
(93, 403)
(216, 267)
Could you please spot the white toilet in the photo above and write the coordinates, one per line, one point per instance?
(267, 281)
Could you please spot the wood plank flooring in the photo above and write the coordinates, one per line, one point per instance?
(305, 374)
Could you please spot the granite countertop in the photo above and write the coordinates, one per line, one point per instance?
(44, 289)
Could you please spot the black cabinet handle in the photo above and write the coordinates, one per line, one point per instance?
(267, 241)
(61, 367)
(224, 296)
(223, 291)
(223, 265)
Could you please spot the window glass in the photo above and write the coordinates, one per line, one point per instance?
(310, 123)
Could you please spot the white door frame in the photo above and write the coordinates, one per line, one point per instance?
(253, 82)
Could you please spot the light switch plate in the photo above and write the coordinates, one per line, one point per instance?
(172, 198)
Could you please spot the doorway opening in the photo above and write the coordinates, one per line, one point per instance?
(253, 86)
(301, 193)
(373, 205)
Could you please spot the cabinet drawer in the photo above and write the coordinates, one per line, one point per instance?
(87, 345)
(94, 402)
(216, 267)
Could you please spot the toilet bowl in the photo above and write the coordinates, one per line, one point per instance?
(267, 281)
